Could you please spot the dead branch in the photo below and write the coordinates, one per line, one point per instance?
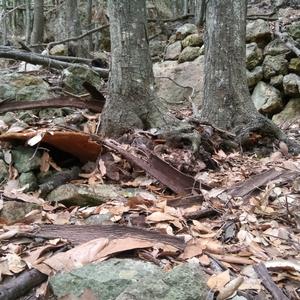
(11, 53)
(93, 105)
(288, 41)
(19, 286)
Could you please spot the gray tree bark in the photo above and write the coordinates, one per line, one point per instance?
(227, 102)
(132, 102)
(4, 23)
(38, 22)
(27, 21)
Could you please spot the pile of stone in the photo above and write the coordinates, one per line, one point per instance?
(273, 70)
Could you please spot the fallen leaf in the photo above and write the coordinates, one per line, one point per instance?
(218, 281)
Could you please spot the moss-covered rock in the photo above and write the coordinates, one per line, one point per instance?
(189, 54)
(254, 76)
(26, 159)
(193, 40)
(291, 111)
(253, 56)
(291, 84)
(275, 65)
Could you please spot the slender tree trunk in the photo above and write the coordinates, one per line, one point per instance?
(132, 102)
(27, 21)
(38, 22)
(89, 22)
(4, 23)
(200, 9)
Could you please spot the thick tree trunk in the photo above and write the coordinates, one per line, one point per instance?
(132, 102)
(38, 22)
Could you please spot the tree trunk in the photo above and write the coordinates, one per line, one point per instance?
(27, 22)
(4, 23)
(89, 22)
(132, 102)
(38, 22)
(200, 8)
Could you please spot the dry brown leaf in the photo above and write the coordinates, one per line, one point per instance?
(45, 159)
(230, 288)
(192, 249)
(88, 294)
(159, 217)
(281, 264)
(218, 281)
(204, 260)
(15, 194)
(251, 284)
(234, 259)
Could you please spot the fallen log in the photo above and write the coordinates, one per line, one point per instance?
(36, 59)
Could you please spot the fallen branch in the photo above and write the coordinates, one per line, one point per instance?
(36, 59)
(268, 282)
(93, 105)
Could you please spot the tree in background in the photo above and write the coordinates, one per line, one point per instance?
(38, 22)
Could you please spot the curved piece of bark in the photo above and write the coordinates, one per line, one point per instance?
(11, 53)
(19, 286)
(93, 105)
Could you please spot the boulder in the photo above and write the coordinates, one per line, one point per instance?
(291, 111)
(254, 76)
(258, 31)
(266, 98)
(185, 30)
(28, 181)
(74, 76)
(173, 51)
(157, 48)
(276, 47)
(192, 40)
(294, 30)
(3, 171)
(277, 81)
(124, 279)
(83, 195)
(187, 74)
(253, 55)
(274, 65)
(60, 49)
(189, 54)
(294, 65)
(291, 84)
(26, 159)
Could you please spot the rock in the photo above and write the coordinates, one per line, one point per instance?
(277, 81)
(266, 98)
(189, 54)
(26, 159)
(83, 195)
(291, 84)
(189, 74)
(74, 77)
(100, 219)
(202, 50)
(29, 180)
(274, 65)
(294, 65)
(253, 55)
(173, 51)
(291, 111)
(157, 48)
(185, 30)
(3, 171)
(276, 47)
(192, 40)
(124, 279)
(20, 87)
(15, 211)
(254, 76)
(258, 31)
(294, 30)
(60, 49)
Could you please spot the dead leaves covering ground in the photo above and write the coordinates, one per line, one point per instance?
(253, 216)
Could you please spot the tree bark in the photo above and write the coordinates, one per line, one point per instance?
(38, 22)
(89, 22)
(27, 22)
(4, 23)
(132, 102)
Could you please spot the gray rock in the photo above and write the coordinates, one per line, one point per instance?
(266, 98)
(277, 81)
(189, 54)
(29, 180)
(294, 65)
(124, 279)
(185, 30)
(83, 195)
(74, 77)
(173, 51)
(26, 159)
(60, 49)
(291, 111)
(189, 74)
(276, 47)
(274, 65)
(100, 219)
(157, 48)
(254, 76)
(192, 40)
(258, 31)
(294, 30)
(3, 171)
(253, 55)
(15, 211)
(7, 92)
(291, 84)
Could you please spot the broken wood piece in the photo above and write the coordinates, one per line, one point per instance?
(93, 105)
(78, 234)
(201, 214)
(19, 286)
(268, 282)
